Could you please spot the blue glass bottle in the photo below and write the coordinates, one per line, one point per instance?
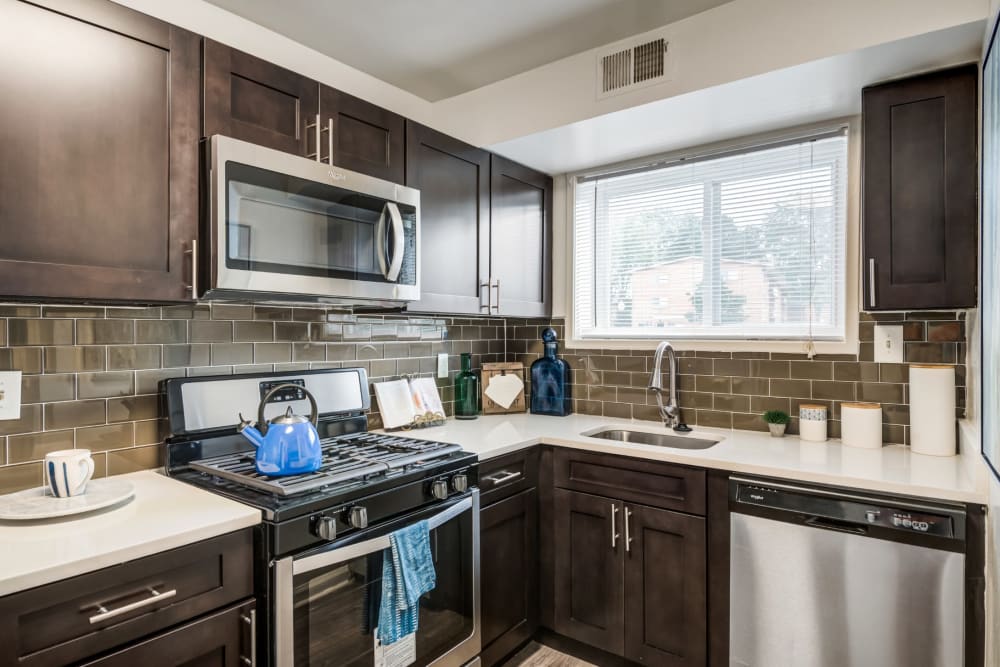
(550, 381)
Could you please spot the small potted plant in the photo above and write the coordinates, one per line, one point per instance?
(777, 421)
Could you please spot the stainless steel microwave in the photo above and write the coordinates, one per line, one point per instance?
(284, 227)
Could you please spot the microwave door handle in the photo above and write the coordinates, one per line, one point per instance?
(383, 263)
(396, 263)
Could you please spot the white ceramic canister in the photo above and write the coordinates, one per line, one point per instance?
(861, 425)
(932, 409)
(812, 422)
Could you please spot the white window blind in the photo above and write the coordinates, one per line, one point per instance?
(742, 245)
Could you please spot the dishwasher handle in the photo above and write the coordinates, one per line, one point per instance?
(832, 524)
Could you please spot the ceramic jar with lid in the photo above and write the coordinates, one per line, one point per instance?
(812, 422)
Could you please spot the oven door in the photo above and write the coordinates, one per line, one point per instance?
(326, 600)
(284, 224)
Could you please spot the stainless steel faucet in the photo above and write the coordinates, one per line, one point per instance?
(671, 412)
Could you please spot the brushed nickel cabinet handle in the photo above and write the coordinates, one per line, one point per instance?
(318, 128)
(497, 285)
(489, 296)
(502, 477)
(628, 533)
(871, 282)
(194, 267)
(614, 526)
(154, 597)
(251, 620)
(329, 141)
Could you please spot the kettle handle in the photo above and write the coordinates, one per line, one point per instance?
(262, 424)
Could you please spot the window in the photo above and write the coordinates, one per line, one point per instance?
(742, 245)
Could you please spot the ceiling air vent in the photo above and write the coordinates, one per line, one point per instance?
(620, 69)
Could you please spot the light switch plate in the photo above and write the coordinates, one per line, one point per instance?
(10, 395)
(888, 344)
(442, 364)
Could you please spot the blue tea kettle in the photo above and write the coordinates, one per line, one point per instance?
(287, 445)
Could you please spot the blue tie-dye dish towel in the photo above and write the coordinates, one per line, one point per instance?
(407, 573)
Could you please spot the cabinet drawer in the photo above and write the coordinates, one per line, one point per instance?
(223, 639)
(67, 621)
(507, 475)
(651, 483)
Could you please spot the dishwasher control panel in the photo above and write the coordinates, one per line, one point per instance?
(834, 510)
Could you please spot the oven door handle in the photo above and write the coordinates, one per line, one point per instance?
(351, 551)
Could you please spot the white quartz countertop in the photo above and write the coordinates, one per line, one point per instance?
(891, 469)
(164, 514)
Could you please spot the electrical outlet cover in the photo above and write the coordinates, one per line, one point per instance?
(10, 395)
(888, 344)
(442, 364)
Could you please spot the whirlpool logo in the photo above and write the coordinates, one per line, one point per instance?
(336, 175)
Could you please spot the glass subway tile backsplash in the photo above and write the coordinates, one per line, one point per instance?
(91, 373)
(732, 389)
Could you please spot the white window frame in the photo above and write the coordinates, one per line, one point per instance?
(565, 264)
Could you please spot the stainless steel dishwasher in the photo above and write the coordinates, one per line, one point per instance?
(825, 578)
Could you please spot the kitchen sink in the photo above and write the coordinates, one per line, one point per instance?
(658, 439)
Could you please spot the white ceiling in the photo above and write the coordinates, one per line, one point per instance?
(441, 48)
(815, 91)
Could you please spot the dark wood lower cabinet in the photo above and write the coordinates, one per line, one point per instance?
(665, 587)
(630, 579)
(588, 587)
(223, 639)
(509, 548)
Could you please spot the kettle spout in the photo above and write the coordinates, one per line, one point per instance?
(250, 432)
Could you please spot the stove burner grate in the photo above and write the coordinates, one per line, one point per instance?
(346, 458)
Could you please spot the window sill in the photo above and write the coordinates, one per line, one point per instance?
(682, 345)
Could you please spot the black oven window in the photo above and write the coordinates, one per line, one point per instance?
(336, 608)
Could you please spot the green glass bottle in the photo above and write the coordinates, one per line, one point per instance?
(466, 390)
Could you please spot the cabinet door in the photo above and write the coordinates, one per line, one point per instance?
(364, 137)
(454, 182)
(665, 587)
(920, 184)
(520, 239)
(223, 639)
(509, 547)
(99, 123)
(256, 101)
(589, 548)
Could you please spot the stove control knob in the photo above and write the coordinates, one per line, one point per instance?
(358, 517)
(439, 489)
(460, 483)
(326, 528)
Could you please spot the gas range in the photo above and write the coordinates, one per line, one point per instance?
(365, 477)
(320, 548)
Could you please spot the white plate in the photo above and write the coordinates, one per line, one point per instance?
(39, 503)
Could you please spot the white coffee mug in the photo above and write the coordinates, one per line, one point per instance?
(68, 471)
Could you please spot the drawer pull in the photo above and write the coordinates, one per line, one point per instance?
(154, 596)
(251, 620)
(502, 477)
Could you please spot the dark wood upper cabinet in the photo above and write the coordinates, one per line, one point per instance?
(365, 138)
(509, 547)
(251, 99)
(99, 123)
(454, 182)
(588, 591)
(920, 184)
(520, 239)
(665, 588)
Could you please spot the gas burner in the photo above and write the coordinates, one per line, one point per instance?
(356, 457)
